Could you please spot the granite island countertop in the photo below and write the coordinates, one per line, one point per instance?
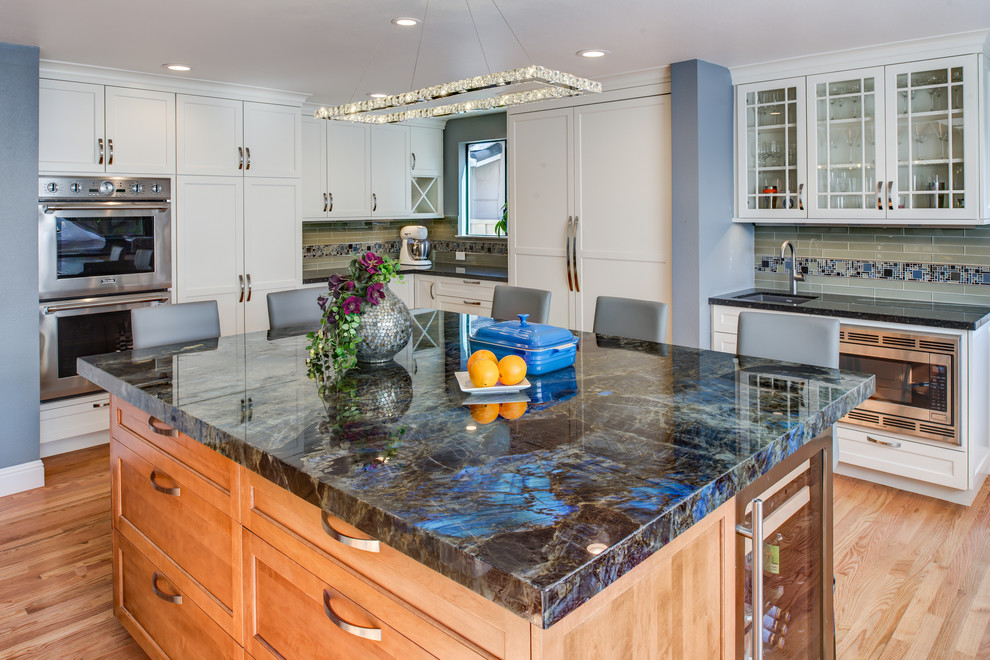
(474, 271)
(911, 312)
(628, 448)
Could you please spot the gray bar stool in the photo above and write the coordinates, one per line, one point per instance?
(803, 339)
(510, 301)
(645, 320)
(182, 323)
(295, 308)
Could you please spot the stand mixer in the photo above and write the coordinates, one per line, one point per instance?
(415, 248)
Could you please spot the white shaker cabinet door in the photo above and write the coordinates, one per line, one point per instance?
(209, 213)
(390, 188)
(272, 140)
(426, 151)
(348, 170)
(70, 127)
(140, 131)
(210, 134)
(315, 202)
(272, 244)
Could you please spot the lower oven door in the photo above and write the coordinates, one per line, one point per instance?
(76, 328)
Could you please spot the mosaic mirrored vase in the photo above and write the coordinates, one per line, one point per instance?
(384, 331)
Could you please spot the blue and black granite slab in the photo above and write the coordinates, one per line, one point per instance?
(933, 314)
(629, 448)
(472, 271)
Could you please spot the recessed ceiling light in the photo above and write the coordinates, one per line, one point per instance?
(405, 22)
(592, 52)
(177, 67)
(377, 95)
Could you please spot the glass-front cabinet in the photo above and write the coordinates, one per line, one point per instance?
(771, 116)
(898, 144)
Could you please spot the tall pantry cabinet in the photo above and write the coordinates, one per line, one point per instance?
(590, 204)
(237, 206)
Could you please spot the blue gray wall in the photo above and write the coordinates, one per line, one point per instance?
(19, 373)
(456, 131)
(711, 254)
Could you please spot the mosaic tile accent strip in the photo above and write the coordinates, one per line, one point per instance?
(878, 270)
(474, 246)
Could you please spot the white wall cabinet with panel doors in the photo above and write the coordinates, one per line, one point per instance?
(390, 195)
(85, 127)
(336, 172)
(426, 170)
(590, 204)
(228, 137)
(237, 240)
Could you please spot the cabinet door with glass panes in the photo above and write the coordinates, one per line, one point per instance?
(932, 140)
(772, 163)
(846, 147)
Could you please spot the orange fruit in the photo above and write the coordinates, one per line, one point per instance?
(511, 369)
(512, 410)
(484, 413)
(483, 373)
(480, 355)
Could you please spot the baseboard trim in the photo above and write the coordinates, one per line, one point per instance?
(18, 478)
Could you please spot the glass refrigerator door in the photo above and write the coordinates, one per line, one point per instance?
(794, 619)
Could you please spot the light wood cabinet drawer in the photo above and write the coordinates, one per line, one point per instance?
(292, 613)
(159, 502)
(158, 614)
(465, 288)
(207, 462)
(308, 536)
(895, 455)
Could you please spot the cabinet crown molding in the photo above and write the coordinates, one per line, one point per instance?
(53, 69)
(964, 43)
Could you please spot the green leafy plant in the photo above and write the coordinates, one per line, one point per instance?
(333, 348)
(502, 226)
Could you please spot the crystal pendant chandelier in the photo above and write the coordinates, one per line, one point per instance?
(552, 85)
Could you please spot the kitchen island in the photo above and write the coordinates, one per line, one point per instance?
(414, 522)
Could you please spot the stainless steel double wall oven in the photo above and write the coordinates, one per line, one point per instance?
(104, 248)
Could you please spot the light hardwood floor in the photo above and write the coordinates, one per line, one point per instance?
(912, 573)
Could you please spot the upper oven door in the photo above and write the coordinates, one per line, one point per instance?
(103, 248)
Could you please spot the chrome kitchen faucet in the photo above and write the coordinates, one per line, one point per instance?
(796, 274)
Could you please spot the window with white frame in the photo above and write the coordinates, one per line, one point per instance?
(483, 187)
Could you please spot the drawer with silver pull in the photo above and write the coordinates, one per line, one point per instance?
(464, 287)
(902, 457)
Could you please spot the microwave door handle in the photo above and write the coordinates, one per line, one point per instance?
(53, 309)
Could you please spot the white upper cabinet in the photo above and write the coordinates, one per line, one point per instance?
(897, 144)
(426, 151)
(390, 193)
(348, 163)
(314, 168)
(92, 128)
(225, 137)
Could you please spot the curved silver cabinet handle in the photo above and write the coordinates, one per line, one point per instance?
(240, 278)
(577, 287)
(168, 598)
(326, 202)
(167, 432)
(247, 151)
(249, 286)
(756, 589)
(374, 634)
(368, 545)
(413, 154)
(374, 201)
(99, 142)
(800, 197)
(890, 195)
(432, 287)
(880, 196)
(240, 158)
(330, 195)
(109, 151)
(174, 492)
(885, 443)
(567, 251)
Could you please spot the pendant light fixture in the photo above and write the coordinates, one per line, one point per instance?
(553, 85)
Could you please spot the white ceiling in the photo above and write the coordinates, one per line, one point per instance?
(337, 50)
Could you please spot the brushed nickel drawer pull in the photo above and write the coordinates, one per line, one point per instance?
(167, 432)
(247, 160)
(374, 634)
(330, 198)
(105, 404)
(471, 281)
(109, 151)
(175, 492)
(885, 443)
(168, 598)
(240, 158)
(472, 302)
(99, 141)
(368, 545)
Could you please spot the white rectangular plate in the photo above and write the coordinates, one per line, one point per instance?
(464, 381)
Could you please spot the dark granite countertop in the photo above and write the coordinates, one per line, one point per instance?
(934, 314)
(474, 271)
(629, 447)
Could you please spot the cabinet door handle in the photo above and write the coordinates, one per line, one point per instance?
(885, 443)
(330, 208)
(247, 160)
(109, 151)
(472, 302)
(153, 423)
(432, 286)
(105, 404)
(241, 279)
(478, 282)
(800, 197)
(577, 287)
(374, 634)
(413, 158)
(880, 196)
(567, 251)
(174, 492)
(756, 588)
(326, 202)
(890, 195)
(168, 598)
(99, 142)
(240, 158)
(368, 545)
(249, 286)
(374, 201)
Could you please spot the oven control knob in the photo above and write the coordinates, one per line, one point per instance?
(137, 188)
(74, 187)
(52, 187)
(156, 187)
(106, 188)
